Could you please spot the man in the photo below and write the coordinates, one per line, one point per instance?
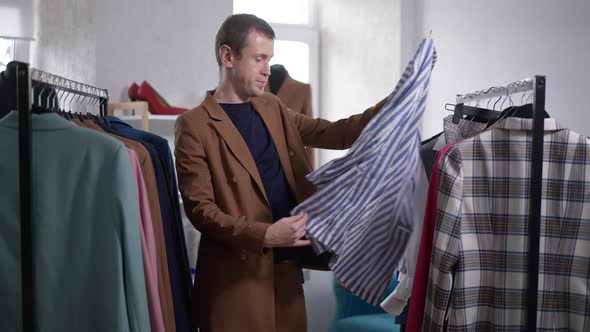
(241, 163)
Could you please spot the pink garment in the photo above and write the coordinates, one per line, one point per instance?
(420, 285)
(148, 246)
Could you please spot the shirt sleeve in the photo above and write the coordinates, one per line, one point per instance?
(447, 241)
(341, 134)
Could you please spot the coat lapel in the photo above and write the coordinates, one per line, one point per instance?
(272, 120)
(232, 137)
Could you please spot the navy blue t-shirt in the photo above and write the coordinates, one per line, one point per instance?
(263, 150)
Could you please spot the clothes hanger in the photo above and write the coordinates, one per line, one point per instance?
(70, 113)
(103, 106)
(39, 98)
(76, 114)
(503, 114)
(83, 109)
(52, 95)
(523, 111)
(50, 101)
(66, 110)
(473, 112)
(97, 104)
(91, 116)
(62, 100)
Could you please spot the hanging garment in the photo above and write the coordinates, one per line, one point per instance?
(295, 94)
(480, 244)
(420, 282)
(178, 266)
(87, 253)
(375, 183)
(164, 282)
(428, 152)
(453, 132)
(464, 129)
(397, 300)
(161, 146)
(148, 246)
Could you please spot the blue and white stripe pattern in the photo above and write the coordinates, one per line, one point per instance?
(363, 210)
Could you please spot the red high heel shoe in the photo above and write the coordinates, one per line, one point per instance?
(133, 91)
(157, 104)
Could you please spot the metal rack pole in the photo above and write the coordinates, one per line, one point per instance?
(23, 104)
(536, 187)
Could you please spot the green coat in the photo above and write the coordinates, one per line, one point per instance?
(87, 256)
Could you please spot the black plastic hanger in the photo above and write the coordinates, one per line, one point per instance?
(524, 112)
(473, 113)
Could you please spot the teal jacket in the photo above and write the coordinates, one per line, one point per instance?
(88, 264)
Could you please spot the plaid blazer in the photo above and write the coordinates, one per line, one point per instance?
(477, 275)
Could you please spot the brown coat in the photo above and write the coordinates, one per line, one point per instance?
(225, 200)
(297, 96)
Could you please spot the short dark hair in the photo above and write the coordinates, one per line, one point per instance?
(235, 29)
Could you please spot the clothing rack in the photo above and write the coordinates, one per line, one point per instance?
(537, 85)
(26, 79)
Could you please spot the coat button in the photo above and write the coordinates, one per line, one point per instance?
(243, 256)
(291, 153)
(234, 180)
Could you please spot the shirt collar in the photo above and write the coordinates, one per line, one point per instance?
(45, 121)
(513, 123)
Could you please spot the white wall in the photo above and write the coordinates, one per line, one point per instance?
(359, 56)
(16, 18)
(168, 43)
(480, 45)
(65, 39)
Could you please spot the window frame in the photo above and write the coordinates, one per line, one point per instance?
(20, 49)
(309, 35)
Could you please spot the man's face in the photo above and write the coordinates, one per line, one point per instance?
(251, 70)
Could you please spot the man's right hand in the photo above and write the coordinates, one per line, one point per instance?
(287, 232)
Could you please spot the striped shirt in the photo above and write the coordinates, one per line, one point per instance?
(362, 212)
(478, 270)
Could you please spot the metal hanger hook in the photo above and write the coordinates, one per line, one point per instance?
(494, 107)
(510, 102)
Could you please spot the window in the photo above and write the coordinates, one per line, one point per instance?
(294, 55)
(7, 52)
